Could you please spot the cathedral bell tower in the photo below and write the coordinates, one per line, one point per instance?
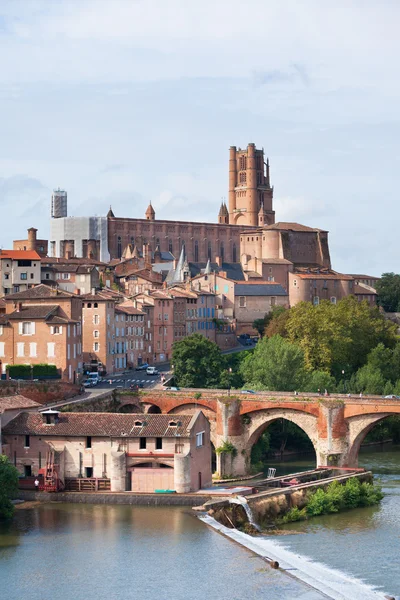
(250, 191)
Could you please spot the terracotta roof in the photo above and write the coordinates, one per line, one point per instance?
(362, 289)
(51, 260)
(327, 276)
(282, 226)
(39, 291)
(34, 311)
(128, 310)
(20, 254)
(101, 424)
(276, 261)
(356, 276)
(17, 401)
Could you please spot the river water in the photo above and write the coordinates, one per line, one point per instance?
(58, 551)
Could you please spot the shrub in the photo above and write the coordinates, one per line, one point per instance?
(352, 493)
(294, 514)
(317, 503)
(16, 371)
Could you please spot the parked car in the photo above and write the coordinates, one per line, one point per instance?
(151, 371)
(172, 389)
(88, 383)
(392, 397)
(247, 392)
(95, 377)
(142, 367)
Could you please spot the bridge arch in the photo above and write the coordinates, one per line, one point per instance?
(260, 420)
(358, 427)
(191, 407)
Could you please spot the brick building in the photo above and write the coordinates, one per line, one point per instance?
(98, 329)
(133, 452)
(42, 325)
(32, 243)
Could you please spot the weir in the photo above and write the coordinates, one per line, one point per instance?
(241, 500)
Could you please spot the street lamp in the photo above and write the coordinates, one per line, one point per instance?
(344, 381)
(229, 380)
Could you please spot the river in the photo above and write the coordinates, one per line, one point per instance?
(59, 551)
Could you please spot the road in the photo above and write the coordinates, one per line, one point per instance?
(125, 380)
(132, 377)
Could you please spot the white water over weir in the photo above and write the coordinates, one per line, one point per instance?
(335, 584)
(241, 500)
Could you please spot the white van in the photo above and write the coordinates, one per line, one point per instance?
(95, 377)
(151, 371)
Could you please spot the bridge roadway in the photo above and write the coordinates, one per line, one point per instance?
(336, 425)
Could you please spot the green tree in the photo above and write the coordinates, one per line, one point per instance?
(261, 324)
(388, 288)
(8, 487)
(368, 380)
(277, 325)
(275, 364)
(197, 362)
(338, 337)
(381, 359)
(319, 380)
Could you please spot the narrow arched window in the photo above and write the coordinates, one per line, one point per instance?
(234, 254)
(196, 251)
(119, 247)
(209, 251)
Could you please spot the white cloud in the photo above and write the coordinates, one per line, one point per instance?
(125, 102)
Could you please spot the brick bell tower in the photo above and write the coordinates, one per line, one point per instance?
(250, 191)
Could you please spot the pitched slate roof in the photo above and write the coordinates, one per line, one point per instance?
(102, 425)
(259, 289)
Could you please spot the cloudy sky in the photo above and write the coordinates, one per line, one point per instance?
(125, 101)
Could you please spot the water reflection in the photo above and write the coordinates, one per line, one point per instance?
(118, 552)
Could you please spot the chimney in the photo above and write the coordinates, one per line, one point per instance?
(50, 417)
(32, 238)
(218, 260)
(77, 291)
(19, 306)
(93, 291)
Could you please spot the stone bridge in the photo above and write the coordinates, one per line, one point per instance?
(336, 425)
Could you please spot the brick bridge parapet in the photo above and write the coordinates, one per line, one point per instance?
(336, 425)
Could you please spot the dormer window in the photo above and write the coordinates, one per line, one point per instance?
(173, 424)
(138, 423)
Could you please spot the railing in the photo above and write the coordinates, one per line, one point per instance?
(87, 484)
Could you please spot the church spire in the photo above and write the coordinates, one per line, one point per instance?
(150, 213)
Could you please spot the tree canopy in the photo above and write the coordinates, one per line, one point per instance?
(388, 288)
(338, 337)
(275, 364)
(8, 487)
(197, 362)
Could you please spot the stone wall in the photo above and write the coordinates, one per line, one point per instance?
(43, 392)
(117, 498)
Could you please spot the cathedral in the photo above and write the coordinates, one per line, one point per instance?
(106, 238)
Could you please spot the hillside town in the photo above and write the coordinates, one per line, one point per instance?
(109, 294)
